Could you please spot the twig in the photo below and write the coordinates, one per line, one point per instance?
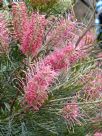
(87, 29)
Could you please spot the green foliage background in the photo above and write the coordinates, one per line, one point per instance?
(53, 7)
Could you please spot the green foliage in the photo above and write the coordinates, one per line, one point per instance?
(55, 7)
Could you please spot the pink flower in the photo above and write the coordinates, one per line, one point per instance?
(37, 84)
(29, 29)
(40, 77)
(98, 134)
(72, 54)
(71, 113)
(57, 60)
(62, 34)
(20, 18)
(4, 34)
(63, 58)
(34, 96)
(66, 31)
(32, 38)
(92, 88)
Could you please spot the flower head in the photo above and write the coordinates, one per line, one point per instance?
(4, 34)
(62, 34)
(32, 38)
(93, 88)
(20, 18)
(29, 29)
(71, 111)
(98, 134)
(57, 60)
(63, 58)
(37, 84)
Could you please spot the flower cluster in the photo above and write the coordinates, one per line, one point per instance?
(71, 113)
(54, 52)
(33, 36)
(98, 134)
(62, 34)
(4, 34)
(20, 18)
(62, 38)
(29, 29)
(64, 57)
(67, 31)
(92, 84)
(41, 76)
(38, 81)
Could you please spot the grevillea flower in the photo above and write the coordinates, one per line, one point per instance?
(62, 34)
(4, 34)
(73, 54)
(29, 29)
(71, 113)
(57, 60)
(35, 98)
(66, 31)
(63, 58)
(37, 84)
(98, 134)
(32, 38)
(92, 84)
(20, 18)
(40, 77)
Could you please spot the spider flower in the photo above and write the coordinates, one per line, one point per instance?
(37, 85)
(92, 88)
(62, 33)
(32, 38)
(57, 60)
(71, 113)
(98, 134)
(4, 34)
(20, 18)
(63, 58)
(29, 29)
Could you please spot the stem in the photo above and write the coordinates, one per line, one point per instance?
(79, 103)
(86, 30)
